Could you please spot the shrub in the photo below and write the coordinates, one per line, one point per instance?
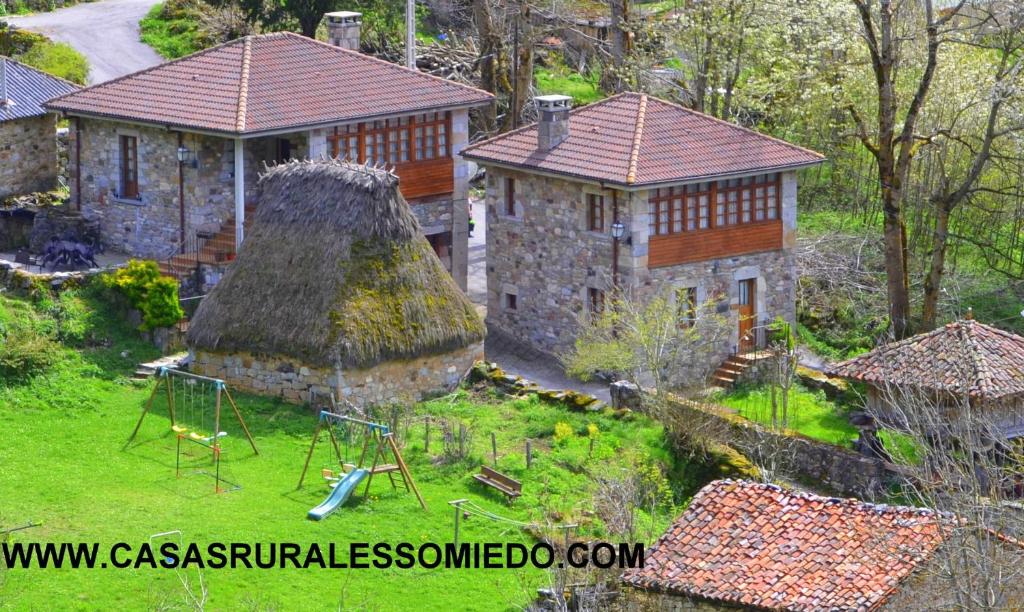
(58, 59)
(155, 296)
(24, 351)
(563, 431)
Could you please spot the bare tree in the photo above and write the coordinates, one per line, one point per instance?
(651, 341)
(892, 141)
(999, 31)
(959, 464)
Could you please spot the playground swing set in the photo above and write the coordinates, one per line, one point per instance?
(344, 482)
(191, 394)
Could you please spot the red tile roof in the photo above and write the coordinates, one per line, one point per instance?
(635, 139)
(963, 356)
(268, 82)
(761, 546)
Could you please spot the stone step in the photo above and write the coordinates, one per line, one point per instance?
(725, 383)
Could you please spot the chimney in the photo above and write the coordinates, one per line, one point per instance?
(4, 100)
(343, 29)
(553, 126)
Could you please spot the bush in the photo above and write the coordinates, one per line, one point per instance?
(155, 296)
(58, 59)
(563, 431)
(24, 351)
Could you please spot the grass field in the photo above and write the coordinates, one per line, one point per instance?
(815, 416)
(62, 463)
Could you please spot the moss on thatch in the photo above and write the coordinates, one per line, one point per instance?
(335, 272)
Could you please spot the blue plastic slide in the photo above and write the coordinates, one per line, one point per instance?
(342, 490)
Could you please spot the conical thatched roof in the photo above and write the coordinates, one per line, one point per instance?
(334, 272)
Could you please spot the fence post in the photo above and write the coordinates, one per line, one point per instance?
(494, 449)
(462, 439)
(426, 435)
(529, 454)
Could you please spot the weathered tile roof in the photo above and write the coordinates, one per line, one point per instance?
(963, 356)
(266, 83)
(761, 546)
(636, 139)
(30, 89)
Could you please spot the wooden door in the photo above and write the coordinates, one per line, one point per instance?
(747, 313)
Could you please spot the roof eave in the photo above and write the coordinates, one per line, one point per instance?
(256, 133)
(641, 186)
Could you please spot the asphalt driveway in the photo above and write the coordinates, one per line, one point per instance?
(106, 32)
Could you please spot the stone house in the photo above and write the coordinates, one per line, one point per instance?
(351, 301)
(755, 546)
(28, 131)
(168, 157)
(641, 194)
(959, 364)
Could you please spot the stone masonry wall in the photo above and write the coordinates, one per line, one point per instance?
(391, 381)
(28, 155)
(150, 226)
(546, 257)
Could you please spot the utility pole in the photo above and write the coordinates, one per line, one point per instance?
(410, 34)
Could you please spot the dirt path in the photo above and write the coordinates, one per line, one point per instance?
(106, 32)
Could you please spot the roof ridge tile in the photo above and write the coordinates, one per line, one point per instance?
(243, 85)
(638, 133)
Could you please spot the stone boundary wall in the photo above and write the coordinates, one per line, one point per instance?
(798, 457)
(391, 381)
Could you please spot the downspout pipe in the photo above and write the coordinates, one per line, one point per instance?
(181, 193)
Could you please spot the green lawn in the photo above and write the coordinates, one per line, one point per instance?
(62, 463)
(813, 415)
(810, 414)
(559, 80)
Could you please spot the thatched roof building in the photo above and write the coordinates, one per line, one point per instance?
(335, 273)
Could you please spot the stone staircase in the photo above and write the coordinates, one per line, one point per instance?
(733, 367)
(218, 249)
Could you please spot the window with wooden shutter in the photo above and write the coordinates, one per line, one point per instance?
(510, 196)
(595, 212)
(129, 167)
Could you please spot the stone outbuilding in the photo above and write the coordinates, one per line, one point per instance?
(756, 546)
(963, 362)
(336, 290)
(28, 131)
(640, 194)
(169, 156)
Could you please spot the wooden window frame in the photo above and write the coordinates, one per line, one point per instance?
(681, 209)
(595, 212)
(510, 196)
(128, 181)
(389, 138)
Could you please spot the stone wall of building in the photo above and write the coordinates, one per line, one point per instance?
(391, 381)
(545, 256)
(28, 155)
(150, 226)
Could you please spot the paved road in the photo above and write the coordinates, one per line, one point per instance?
(106, 32)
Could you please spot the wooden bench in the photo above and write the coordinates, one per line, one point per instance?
(496, 480)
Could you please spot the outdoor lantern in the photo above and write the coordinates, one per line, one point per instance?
(184, 155)
(618, 229)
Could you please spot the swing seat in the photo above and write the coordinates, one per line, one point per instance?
(198, 437)
(179, 429)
